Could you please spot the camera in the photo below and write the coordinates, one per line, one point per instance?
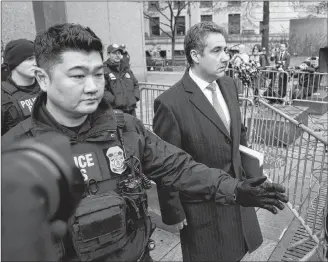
(41, 186)
(47, 161)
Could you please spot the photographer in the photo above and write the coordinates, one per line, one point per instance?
(113, 151)
(308, 80)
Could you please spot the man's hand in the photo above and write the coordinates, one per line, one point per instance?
(180, 225)
(257, 192)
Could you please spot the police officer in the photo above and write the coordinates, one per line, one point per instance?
(121, 89)
(113, 151)
(20, 89)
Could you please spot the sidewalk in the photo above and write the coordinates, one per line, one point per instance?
(168, 242)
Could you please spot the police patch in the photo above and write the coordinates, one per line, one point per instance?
(116, 159)
(127, 75)
(88, 165)
(112, 76)
(26, 105)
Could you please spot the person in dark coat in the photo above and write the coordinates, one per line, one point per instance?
(121, 88)
(308, 80)
(188, 116)
(282, 61)
(20, 88)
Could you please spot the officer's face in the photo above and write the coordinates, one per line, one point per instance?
(76, 85)
(115, 56)
(212, 63)
(27, 67)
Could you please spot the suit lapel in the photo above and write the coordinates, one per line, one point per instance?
(199, 100)
(229, 98)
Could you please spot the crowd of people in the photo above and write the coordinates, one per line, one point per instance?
(274, 78)
(194, 157)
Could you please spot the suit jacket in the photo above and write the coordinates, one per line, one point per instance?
(285, 59)
(185, 118)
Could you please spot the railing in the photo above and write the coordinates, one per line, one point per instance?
(288, 87)
(296, 157)
(148, 94)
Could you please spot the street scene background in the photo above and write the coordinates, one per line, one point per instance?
(153, 32)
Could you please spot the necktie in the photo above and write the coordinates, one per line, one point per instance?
(217, 106)
(281, 56)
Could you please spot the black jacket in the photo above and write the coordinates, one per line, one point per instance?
(16, 103)
(121, 88)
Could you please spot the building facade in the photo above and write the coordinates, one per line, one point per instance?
(113, 22)
(241, 19)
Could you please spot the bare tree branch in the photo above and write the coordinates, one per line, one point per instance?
(163, 14)
(152, 18)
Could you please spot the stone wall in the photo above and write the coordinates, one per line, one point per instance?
(113, 22)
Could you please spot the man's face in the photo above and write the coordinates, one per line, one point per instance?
(115, 56)
(282, 48)
(76, 84)
(214, 60)
(314, 63)
(27, 67)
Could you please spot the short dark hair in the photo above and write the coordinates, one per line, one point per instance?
(258, 48)
(50, 44)
(196, 36)
(284, 43)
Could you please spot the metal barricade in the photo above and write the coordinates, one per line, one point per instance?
(296, 157)
(148, 94)
(288, 87)
(310, 89)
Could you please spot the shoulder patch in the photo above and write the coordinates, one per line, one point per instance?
(112, 76)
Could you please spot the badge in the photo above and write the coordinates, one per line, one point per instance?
(112, 76)
(116, 160)
(127, 75)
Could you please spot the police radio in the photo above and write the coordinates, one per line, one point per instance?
(132, 188)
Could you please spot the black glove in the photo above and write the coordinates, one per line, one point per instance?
(255, 193)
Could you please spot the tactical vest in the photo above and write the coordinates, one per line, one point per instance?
(101, 221)
(22, 101)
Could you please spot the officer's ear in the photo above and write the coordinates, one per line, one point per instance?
(43, 78)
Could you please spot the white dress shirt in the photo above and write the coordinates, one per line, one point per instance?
(202, 84)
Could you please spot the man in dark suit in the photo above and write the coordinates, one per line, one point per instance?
(201, 115)
(282, 57)
(282, 61)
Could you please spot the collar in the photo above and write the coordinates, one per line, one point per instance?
(26, 89)
(202, 84)
(100, 120)
(113, 65)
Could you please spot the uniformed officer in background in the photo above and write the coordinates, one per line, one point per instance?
(121, 89)
(20, 89)
(113, 151)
